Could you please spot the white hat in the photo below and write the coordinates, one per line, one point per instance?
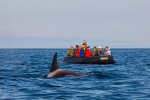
(99, 47)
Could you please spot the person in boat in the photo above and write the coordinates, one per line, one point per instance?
(77, 51)
(99, 51)
(70, 52)
(107, 51)
(84, 45)
(82, 52)
(95, 52)
(88, 53)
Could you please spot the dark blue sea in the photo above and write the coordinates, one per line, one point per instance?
(23, 71)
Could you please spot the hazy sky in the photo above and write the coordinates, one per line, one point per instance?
(62, 23)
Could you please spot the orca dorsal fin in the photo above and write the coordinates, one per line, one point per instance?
(54, 65)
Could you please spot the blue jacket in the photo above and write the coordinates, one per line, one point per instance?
(82, 53)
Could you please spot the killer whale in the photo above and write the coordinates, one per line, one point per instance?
(56, 72)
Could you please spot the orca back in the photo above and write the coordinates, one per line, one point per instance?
(54, 65)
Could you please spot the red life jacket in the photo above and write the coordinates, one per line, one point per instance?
(78, 52)
(88, 53)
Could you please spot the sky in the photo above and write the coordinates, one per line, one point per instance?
(65, 23)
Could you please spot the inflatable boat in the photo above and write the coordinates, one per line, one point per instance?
(103, 59)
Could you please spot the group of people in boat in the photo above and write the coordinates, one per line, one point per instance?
(85, 51)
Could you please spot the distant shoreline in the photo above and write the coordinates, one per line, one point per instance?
(68, 48)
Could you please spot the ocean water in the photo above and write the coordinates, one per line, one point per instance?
(23, 71)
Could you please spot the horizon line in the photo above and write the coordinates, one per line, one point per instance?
(69, 47)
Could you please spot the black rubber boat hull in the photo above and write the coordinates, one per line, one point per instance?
(90, 60)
